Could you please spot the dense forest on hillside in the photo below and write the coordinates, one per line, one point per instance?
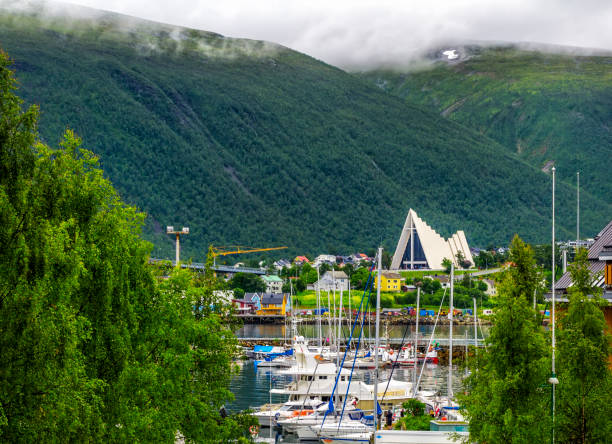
(251, 143)
(548, 108)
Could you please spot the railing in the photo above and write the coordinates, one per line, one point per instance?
(459, 342)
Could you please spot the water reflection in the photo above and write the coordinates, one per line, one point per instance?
(393, 331)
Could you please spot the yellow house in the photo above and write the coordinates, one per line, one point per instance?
(389, 282)
(274, 304)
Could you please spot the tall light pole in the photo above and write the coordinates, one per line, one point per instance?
(170, 230)
(553, 381)
(577, 209)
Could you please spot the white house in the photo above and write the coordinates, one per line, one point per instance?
(333, 280)
(274, 284)
(324, 259)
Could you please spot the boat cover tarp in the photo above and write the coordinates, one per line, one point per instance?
(263, 348)
(273, 356)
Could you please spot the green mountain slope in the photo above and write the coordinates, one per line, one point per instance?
(547, 108)
(250, 143)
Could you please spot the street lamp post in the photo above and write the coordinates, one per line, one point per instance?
(553, 381)
(170, 230)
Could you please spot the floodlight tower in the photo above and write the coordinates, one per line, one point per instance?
(170, 230)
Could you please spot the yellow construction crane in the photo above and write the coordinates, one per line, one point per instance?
(226, 251)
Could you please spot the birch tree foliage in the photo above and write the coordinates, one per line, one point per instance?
(93, 347)
(504, 400)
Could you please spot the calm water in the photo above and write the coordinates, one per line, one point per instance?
(393, 331)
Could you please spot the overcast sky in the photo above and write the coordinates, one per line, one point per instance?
(352, 33)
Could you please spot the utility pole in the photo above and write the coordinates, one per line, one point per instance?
(170, 230)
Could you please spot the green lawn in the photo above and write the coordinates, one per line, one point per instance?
(421, 273)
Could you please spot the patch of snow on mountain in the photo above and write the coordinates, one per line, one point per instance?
(451, 54)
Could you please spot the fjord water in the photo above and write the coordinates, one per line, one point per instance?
(263, 331)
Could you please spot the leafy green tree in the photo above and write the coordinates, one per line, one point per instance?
(585, 380)
(300, 285)
(504, 402)
(194, 351)
(249, 283)
(324, 267)
(447, 264)
(485, 259)
(524, 272)
(359, 278)
(462, 261)
(415, 417)
(309, 277)
(93, 348)
(45, 386)
(386, 260)
(430, 286)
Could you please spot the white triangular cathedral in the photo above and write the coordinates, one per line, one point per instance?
(420, 246)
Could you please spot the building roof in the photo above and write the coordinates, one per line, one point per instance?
(334, 275)
(602, 241)
(301, 259)
(251, 296)
(244, 301)
(391, 275)
(444, 279)
(566, 280)
(282, 263)
(325, 258)
(272, 298)
(271, 278)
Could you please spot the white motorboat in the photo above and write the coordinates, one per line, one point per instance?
(332, 424)
(349, 438)
(316, 377)
(268, 414)
(406, 357)
(290, 425)
(280, 362)
(348, 426)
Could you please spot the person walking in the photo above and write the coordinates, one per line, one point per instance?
(389, 418)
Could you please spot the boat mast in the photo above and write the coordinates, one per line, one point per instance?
(350, 312)
(319, 310)
(416, 338)
(376, 424)
(330, 328)
(340, 322)
(475, 329)
(450, 351)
